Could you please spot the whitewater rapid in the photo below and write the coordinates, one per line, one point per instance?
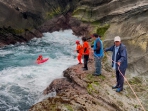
(22, 81)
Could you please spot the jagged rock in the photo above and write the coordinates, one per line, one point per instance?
(80, 91)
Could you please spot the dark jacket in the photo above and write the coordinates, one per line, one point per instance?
(120, 57)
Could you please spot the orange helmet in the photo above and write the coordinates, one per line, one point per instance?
(77, 41)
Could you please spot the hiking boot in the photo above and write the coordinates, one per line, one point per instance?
(115, 87)
(84, 69)
(119, 89)
(96, 74)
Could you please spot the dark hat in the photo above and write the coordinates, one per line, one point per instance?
(95, 35)
(84, 39)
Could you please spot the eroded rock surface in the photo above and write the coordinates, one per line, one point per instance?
(80, 91)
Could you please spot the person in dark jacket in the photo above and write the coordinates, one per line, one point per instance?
(120, 57)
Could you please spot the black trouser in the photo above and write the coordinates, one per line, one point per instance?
(120, 78)
(86, 57)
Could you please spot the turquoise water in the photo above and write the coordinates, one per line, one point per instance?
(22, 81)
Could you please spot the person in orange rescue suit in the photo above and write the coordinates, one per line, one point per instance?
(79, 50)
(40, 57)
(86, 52)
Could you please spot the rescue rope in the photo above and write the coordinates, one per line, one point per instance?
(129, 85)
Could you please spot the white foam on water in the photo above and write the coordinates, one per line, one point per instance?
(3, 53)
(22, 81)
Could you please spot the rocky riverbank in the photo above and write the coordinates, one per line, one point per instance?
(81, 91)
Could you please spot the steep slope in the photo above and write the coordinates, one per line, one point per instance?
(127, 19)
(20, 20)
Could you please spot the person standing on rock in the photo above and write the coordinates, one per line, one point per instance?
(79, 50)
(86, 49)
(119, 62)
(98, 53)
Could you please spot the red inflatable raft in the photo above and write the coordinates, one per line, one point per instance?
(42, 61)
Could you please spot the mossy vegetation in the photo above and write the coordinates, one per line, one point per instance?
(90, 88)
(78, 10)
(82, 13)
(96, 83)
(120, 103)
(135, 80)
(60, 8)
(53, 13)
(4, 31)
(69, 107)
(135, 106)
(93, 83)
(53, 107)
(95, 79)
(102, 29)
(89, 77)
(78, 13)
(85, 14)
(95, 23)
(102, 77)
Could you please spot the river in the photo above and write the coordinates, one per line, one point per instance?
(22, 81)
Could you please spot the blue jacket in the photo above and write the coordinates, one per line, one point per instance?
(100, 52)
(120, 57)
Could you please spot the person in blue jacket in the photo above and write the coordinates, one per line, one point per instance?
(120, 57)
(98, 53)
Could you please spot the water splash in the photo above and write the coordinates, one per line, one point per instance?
(22, 81)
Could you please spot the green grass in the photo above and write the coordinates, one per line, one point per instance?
(102, 77)
(69, 107)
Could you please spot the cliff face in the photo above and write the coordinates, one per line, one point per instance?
(21, 20)
(22, 14)
(110, 10)
(127, 19)
(18, 20)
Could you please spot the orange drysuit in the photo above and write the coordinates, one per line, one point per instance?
(86, 48)
(79, 49)
(86, 51)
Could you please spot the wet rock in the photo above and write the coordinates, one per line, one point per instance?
(79, 90)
